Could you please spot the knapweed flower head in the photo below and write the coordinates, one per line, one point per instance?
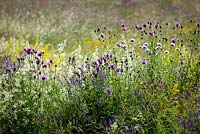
(166, 51)
(43, 77)
(136, 26)
(174, 40)
(198, 25)
(123, 27)
(178, 24)
(144, 61)
(108, 90)
(132, 40)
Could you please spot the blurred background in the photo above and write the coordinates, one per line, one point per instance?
(52, 21)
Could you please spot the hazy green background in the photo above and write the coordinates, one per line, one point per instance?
(53, 21)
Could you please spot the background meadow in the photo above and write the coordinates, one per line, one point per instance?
(87, 66)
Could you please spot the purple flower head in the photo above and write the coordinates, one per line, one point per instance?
(44, 65)
(137, 26)
(125, 130)
(43, 77)
(123, 27)
(181, 61)
(174, 40)
(132, 128)
(102, 35)
(104, 77)
(35, 51)
(152, 33)
(95, 74)
(146, 44)
(73, 80)
(198, 25)
(177, 24)
(112, 67)
(28, 51)
(109, 121)
(157, 25)
(124, 46)
(98, 68)
(198, 62)
(183, 123)
(144, 61)
(73, 59)
(40, 54)
(118, 70)
(108, 90)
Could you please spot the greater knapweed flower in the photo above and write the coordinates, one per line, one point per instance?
(137, 26)
(43, 77)
(183, 123)
(40, 54)
(109, 121)
(198, 62)
(125, 130)
(174, 40)
(144, 61)
(152, 33)
(123, 27)
(108, 90)
(198, 25)
(132, 128)
(191, 123)
(28, 51)
(178, 24)
(181, 61)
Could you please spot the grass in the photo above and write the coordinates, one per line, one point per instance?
(99, 67)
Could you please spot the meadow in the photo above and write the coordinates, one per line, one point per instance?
(99, 67)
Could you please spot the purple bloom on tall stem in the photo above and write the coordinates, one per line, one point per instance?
(183, 123)
(144, 61)
(137, 26)
(125, 130)
(123, 27)
(132, 129)
(109, 122)
(72, 79)
(177, 24)
(174, 40)
(198, 25)
(28, 51)
(108, 90)
(43, 77)
(104, 77)
(40, 54)
(172, 44)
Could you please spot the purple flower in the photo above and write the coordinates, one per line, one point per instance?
(144, 61)
(40, 54)
(118, 70)
(123, 27)
(174, 40)
(125, 130)
(109, 122)
(198, 25)
(73, 79)
(181, 61)
(152, 33)
(132, 40)
(183, 123)
(166, 51)
(28, 51)
(104, 77)
(98, 68)
(43, 77)
(177, 24)
(51, 61)
(132, 129)
(137, 26)
(108, 90)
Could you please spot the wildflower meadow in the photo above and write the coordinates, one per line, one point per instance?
(129, 76)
